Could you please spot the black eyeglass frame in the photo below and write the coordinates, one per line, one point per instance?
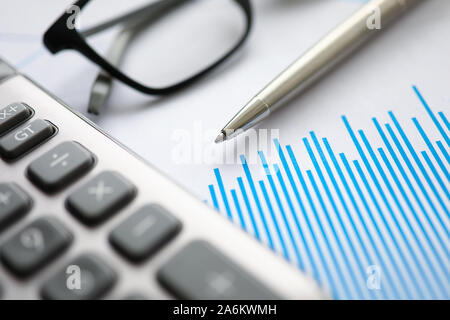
(60, 37)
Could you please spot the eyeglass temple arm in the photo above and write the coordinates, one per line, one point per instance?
(155, 9)
(101, 86)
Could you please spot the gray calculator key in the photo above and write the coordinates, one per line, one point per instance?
(144, 232)
(14, 203)
(87, 277)
(199, 271)
(35, 246)
(13, 115)
(25, 138)
(136, 296)
(101, 197)
(60, 166)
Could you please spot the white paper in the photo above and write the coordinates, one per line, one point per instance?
(377, 79)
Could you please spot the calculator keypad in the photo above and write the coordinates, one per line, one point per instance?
(197, 271)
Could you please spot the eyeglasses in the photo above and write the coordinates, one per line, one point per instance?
(153, 62)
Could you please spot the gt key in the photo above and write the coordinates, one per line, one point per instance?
(24, 138)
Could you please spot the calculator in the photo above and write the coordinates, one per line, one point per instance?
(82, 217)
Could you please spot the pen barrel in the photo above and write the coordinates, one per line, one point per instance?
(332, 49)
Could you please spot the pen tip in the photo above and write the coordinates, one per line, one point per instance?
(220, 138)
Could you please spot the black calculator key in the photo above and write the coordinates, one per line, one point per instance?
(23, 139)
(101, 197)
(13, 115)
(87, 277)
(14, 203)
(35, 246)
(144, 232)
(60, 166)
(199, 271)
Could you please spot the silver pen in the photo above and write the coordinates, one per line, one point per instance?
(315, 62)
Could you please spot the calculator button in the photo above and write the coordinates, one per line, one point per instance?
(199, 271)
(144, 232)
(13, 115)
(14, 203)
(60, 166)
(135, 296)
(87, 277)
(35, 246)
(24, 138)
(101, 197)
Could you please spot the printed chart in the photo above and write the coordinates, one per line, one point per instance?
(375, 227)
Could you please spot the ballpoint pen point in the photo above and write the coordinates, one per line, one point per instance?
(220, 138)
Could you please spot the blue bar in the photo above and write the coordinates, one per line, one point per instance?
(223, 193)
(355, 205)
(274, 219)
(313, 207)
(346, 209)
(435, 173)
(258, 203)
(421, 186)
(291, 207)
(419, 243)
(399, 206)
(238, 208)
(394, 240)
(444, 152)
(375, 201)
(338, 215)
(327, 241)
(409, 184)
(419, 163)
(407, 180)
(432, 149)
(432, 116)
(411, 188)
(288, 199)
(249, 208)
(380, 235)
(447, 123)
(280, 206)
(213, 197)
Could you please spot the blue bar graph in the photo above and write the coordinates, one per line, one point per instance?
(338, 218)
